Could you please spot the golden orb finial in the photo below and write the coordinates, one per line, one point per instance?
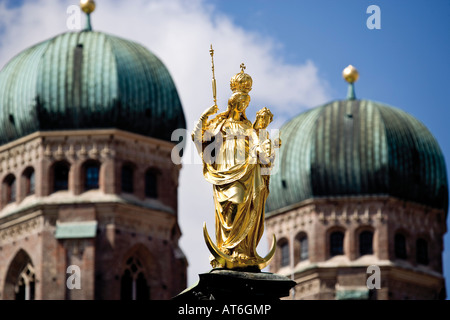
(350, 74)
(88, 6)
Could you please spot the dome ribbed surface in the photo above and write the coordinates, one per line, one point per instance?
(355, 148)
(88, 80)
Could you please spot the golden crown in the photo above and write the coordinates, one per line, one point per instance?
(241, 82)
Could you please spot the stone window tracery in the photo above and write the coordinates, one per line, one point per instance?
(133, 282)
(25, 287)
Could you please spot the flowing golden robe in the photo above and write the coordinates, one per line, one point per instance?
(240, 191)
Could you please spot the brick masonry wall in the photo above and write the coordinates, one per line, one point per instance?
(383, 216)
(125, 221)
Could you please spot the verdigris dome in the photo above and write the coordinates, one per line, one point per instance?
(88, 80)
(355, 148)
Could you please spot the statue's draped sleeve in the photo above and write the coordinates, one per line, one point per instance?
(198, 132)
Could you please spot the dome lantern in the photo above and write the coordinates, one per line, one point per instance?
(351, 75)
(87, 6)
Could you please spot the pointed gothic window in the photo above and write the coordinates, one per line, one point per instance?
(133, 282)
(19, 281)
(25, 287)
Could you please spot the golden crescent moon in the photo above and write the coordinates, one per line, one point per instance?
(266, 260)
(226, 260)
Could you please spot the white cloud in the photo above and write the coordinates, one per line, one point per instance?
(180, 33)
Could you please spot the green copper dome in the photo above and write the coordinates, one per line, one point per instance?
(88, 80)
(354, 148)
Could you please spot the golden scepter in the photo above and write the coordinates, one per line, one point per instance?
(211, 51)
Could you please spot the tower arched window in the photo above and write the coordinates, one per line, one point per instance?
(151, 184)
(61, 176)
(91, 175)
(29, 181)
(10, 193)
(285, 255)
(366, 243)
(127, 178)
(133, 282)
(422, 251)
(304, 253)
(336, 243)
(400, 246)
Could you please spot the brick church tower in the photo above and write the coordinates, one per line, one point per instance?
(87, 184)
(359, 183)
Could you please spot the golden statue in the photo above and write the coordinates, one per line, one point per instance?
(237, 163)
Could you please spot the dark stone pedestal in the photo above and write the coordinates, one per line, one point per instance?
(225, 285)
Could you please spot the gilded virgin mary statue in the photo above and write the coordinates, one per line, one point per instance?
(237, 156)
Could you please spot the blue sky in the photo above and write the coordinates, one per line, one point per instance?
(404, 64)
